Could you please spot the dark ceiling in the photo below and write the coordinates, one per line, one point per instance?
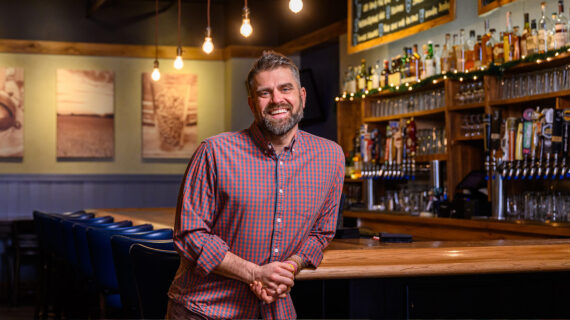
(132, 21)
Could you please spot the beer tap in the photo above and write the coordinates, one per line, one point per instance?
(557, 139)
(527, 140)
(546, 145)
(402, 174)
(565, 143)
(509, 147)
(495, 139)
(412, 145)
(536, 128)
(487, 144)
(398, 146)
(388, 152)
(519, 150)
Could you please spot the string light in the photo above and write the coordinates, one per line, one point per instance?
(208, 45)
(296, 5)
(155, 72)
(178, 63)
(246, 28)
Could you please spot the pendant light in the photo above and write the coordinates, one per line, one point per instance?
(208, 45)
(178, 63)
(296, 5)
(155, 72)
(246, 28)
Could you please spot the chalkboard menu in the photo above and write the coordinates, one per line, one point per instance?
(373, 22)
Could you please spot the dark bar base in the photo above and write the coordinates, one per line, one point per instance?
(532, 295)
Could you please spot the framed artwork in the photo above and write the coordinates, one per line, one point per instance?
(169, 116)
(85, 114)
(11, 112)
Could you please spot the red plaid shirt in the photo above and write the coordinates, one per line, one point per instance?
(239, 195)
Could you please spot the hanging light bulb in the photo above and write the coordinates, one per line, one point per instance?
(178, 63)
(208, 45)
(155, 72)
(246, 28)
(296, 5)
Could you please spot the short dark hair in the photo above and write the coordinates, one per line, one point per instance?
(270, 60)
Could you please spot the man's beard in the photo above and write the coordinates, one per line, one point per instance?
(281, 126)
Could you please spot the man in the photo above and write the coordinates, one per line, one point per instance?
(256, 206)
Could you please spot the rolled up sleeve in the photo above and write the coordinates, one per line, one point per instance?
(196, 212)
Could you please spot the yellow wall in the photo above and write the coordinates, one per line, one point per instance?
(40, 112)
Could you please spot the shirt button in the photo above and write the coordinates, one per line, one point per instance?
(276, 250)
(279, 220)
(281, 162)
(281, 191)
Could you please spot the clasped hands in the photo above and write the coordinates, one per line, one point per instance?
(273, 281)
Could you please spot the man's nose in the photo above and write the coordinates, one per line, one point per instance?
(276, 97)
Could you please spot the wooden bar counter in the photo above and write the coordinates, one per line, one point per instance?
(367, 258)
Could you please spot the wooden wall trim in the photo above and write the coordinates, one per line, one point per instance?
(167, 52)
(322, 35)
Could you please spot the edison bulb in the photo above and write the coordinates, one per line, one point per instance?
(296, 5)
(155, 74)
(178, 63)
(246, 28)
(208, 45)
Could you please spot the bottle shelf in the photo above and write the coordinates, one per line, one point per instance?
(431, 157)
(469, 138)
(417, 114)
(533, 98)
(468, 106)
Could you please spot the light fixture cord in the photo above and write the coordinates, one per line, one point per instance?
(156, 31)
(179, 10)
(208, 14)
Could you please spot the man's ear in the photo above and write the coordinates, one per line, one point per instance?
(251, 104)
(303, 96)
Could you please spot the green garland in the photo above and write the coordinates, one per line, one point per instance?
(494, 70)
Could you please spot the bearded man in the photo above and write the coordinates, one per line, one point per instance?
(256, 206)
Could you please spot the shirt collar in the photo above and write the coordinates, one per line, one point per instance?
(265, 145)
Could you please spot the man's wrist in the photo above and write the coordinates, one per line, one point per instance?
(298, 261)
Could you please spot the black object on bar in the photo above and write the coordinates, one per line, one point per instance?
(395, 237)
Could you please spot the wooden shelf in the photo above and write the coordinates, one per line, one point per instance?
(537, 97)
(430, 157)
(469, 138)
(417, 114)
(352, 180)
(468, 106)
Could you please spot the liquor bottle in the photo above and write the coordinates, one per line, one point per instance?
(507, 38)
(543, 30)
(361, 77)
(446, 56)
(405, 64)
(551, 35)
(384, 74)
(369, 79)
(478, 54)
(560, 27)
(526, 35)
(490, 47)
(437, 58)
(532, 40)
(350, 81)
(429, 64)
(375, 79)
(459, 47)
(470, 51)
(499, 50)
(516, 43)
(416, 60)
(487, 56)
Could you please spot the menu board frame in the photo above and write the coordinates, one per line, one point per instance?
(396, 35)
(484, 8)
